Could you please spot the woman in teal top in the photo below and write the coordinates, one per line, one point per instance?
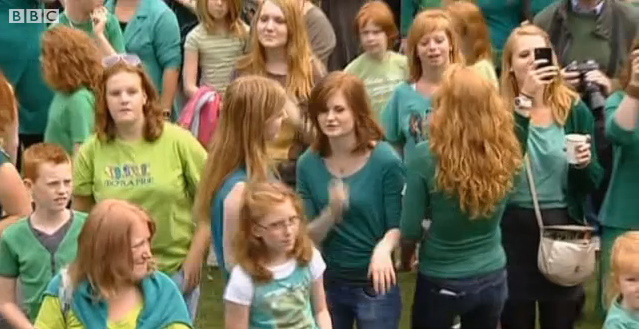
(432, 46)
(562, 188)
(351, 183)
(72, 67)
(620, 211)
(151, 31)
(254, 108)
(91, 17)
(19, 63)
(460, 179)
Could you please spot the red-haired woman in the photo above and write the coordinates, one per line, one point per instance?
(381, 68)
(474, 37)
(139, 157)
(72, 68)
(351, 182)
(113, 281)
(280, 51)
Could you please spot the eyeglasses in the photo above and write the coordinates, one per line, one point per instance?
(130, 59)
(281, 225)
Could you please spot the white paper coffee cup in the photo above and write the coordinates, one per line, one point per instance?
(572, 142)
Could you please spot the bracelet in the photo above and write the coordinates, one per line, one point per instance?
(632, 91)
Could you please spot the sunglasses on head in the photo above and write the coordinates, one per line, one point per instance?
(130, 59)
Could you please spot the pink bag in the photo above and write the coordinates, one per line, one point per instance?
(201, 113)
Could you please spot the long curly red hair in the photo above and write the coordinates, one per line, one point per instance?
(70, 59)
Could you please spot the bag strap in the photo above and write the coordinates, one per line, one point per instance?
(195, 125)
(65, 294)
(533, 193)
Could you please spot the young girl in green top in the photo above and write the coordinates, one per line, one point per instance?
(624, 310)
(351, 183)
(562, 188)
(460, 178)
(381, 68)
(72, 66)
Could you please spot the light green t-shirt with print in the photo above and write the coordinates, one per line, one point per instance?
(380, 77)
(71, 118)
(161, 176)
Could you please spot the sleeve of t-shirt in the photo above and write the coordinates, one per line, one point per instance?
(393, 183)
(416, 198)
(82, 116)
(240, 287)
(115, 34)
(50, 314)
(166, 41)
(614, 132)
(303, 188)
(9, 266)
(191, 42)
(83, 175)
(317, 265)
(193, 158)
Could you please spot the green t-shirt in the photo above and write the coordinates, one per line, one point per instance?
(621, 318)
(380, 77)
(374, 208)
(24, 257)
(71, 118)
(547, 154)
(585, 43)
(502, 17)
(111, 31)
(404, 117)
(620, 208)
(410, 8)
(161, 176)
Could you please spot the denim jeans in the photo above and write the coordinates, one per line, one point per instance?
(348, 303)
(191, 299)
(478, 301)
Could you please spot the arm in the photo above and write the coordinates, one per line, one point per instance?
(105, 46)
(319, 305)
(83, 197)
(9, 308)
(81, 117)
(14, 197)
(83, 203)
(116, 35)
(189, 72)
(586, 179)
(622, 113)
(236, 316)
(166, 42)
(416, 200)
(11, 142)
(232, 205)
(390, 123)
(321, 35)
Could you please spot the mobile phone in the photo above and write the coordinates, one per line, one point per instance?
(543, 53)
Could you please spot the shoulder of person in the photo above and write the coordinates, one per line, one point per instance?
(308, 158)
(544, 18)
(83, 93)
(80, 217)
(161, 279)
(354, 64)
(386, 154)
(17, 230)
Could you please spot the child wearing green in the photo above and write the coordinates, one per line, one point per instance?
(72, 67)
(623, 312)
(36, 247)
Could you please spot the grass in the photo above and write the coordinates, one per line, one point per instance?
(211, 311)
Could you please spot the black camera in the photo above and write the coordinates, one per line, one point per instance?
(591, 93)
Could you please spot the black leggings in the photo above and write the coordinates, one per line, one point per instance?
(557, 314)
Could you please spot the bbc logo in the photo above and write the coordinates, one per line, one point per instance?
(47, 16)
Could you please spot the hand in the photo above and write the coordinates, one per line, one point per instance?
(338, 197)
(192, 269)
(571, 77)
(537, 78)
(381, 270)
(99, 18)
(601, 79)
(583, 154)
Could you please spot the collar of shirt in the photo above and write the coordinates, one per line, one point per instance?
(578, 8)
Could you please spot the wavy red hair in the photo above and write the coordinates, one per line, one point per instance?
(471, 26)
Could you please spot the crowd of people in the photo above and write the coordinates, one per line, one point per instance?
(333, 145)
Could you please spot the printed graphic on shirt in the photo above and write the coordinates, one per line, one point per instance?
(380, 90)
(128, 175)
(418, 124)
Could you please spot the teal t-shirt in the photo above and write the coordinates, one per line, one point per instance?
(547, 154)
(502, 17)
(410, 8)
(71, 118)
(24, 257)
(380, 77)
(404, 117)
(620, 209)
(374, 207)
(4, 157)
(621, 318)
(112, 30)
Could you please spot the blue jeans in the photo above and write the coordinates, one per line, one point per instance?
(348, 303)
(478, 301)
(191, 299)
